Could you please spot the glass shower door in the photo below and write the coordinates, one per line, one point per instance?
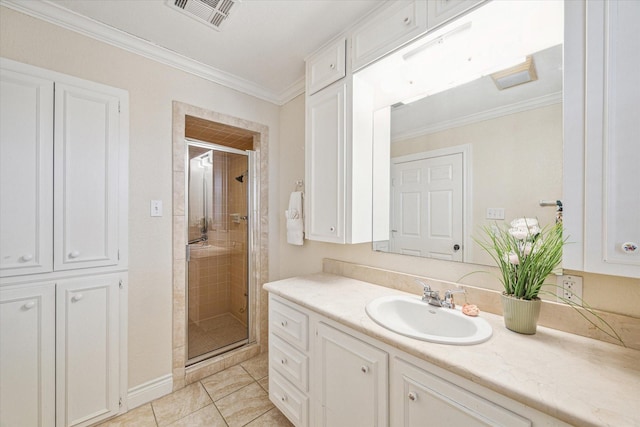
(217, 261)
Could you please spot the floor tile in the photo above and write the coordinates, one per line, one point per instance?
(205, 417)
(179, 404)
(226, 382)
(273, 418)
(264, 383)
(258, 367)
(141, 416)
(244, 405)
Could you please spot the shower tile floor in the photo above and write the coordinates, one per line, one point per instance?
(214, 333)
(235, 397)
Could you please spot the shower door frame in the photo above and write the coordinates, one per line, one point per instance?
(252, 213)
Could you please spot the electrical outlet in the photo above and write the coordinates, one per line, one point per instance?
(569, 288)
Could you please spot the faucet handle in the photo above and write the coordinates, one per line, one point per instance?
(426, 290)
(448, 297)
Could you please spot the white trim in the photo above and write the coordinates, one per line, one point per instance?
(55, 14)
(151, 390)
(518, 107)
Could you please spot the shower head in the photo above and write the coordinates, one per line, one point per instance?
(241, 177)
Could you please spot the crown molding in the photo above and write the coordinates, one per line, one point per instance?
(70, 20)
(529, 104)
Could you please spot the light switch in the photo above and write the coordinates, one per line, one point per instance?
(495, 213)
(156, 208)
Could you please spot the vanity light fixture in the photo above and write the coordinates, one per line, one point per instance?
(524, 72)
(441, 41)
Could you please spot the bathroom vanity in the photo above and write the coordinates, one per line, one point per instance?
(330, 364)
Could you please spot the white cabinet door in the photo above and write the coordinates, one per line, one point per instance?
(440, 11)
(326, 67)
(389, 29)
(419, 398)
(26, 174)
(325, 165)
(87, 349)
(612, 202)
(27, 356)
(86, 177)
(351, 378)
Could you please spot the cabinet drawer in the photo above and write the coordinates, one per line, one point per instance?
(293, 403)
(417, 395)
(289, 362)
(326, 67)
(289, 324)
(388, 30)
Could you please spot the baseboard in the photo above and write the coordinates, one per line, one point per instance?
(151, 390)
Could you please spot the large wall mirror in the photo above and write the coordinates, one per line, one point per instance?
(468, 130)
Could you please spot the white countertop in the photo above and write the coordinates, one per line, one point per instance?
(578, 380)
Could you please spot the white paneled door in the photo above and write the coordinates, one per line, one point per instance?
(427, 207)
(86, 177)
(27, 355)
(26, 174)
(87, 350)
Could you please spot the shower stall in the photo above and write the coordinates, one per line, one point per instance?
(219, 196)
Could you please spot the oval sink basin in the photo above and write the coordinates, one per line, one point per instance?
(410, 316)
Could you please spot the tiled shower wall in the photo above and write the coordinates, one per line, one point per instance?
(218, 282)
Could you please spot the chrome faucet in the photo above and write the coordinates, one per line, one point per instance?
(433, 297)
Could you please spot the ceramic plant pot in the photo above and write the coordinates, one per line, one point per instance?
(520, 315)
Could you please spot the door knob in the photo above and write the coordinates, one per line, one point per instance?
(26, 257)
(76, 297)
(74, 254)
(29, 305)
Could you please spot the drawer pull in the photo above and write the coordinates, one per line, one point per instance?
(332, 66)
(29, 305)
(76, 298)
(407, 21)
(332, 229)
(412, 396)
(283, 398)
(26, 257)
(283, 361)
(364, 369)
(283, 323)
(74, 254)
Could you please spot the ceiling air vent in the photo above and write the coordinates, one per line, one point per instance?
(212, 12)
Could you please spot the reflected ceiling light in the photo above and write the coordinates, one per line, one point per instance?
(516, 75)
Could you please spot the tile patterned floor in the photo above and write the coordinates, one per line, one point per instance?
(215, 333)
(235, 397)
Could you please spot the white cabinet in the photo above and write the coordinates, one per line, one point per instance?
(325, 165)
(87, 351)
(63, 176)
(386, 30)
(26, 174)
(27, 355)
(63, 194)
(351, 378)
(440, 11)
(86, 177)
(604, 165)
(327, 67)
(289, 360)
(418, 398)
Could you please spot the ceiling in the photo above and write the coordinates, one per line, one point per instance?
(260, 49)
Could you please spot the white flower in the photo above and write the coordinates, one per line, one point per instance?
(513, 259)
(524, 228)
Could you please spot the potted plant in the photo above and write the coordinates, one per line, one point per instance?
(525, 255)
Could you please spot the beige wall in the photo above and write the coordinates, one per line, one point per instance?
(609, 293)
(152, 88)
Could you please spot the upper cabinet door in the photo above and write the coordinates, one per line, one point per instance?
(389, 29)
(612, 228)
(440, 11)
(86, 177)
(26, 174)
(327, 67)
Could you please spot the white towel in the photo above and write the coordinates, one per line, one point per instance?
(295, 227)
